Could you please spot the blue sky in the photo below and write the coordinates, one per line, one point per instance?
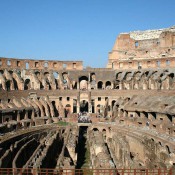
(75, 29)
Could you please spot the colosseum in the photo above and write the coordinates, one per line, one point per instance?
(57, 117)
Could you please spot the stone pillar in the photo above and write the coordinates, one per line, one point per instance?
(78, 102)
(18, 116)
(120, 85)
(89, 103)
(78, 107)
(78, 84)
(125, 114)
(26, 115)
(33, 114)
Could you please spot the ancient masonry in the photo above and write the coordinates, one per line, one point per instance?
(57, 114)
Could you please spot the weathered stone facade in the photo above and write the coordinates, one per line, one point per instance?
(120, 116)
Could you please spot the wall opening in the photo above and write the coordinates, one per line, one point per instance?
(100, 85)
(27, 65)
(36, 64)
(158, 63)
(136, 44)
(167, 62)
(8, 63)
(46, 64)
(64, 66)
(74, 66)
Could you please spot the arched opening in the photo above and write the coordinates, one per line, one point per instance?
(113, 102)
(118, 75)
(37, 74)
(15, 84)
(67, 110)
(104, 131)
(100, 85)
(46, 74)
(83, 83)
(84, 106)
(93, 81)
(27, 65)
(95, 129)
(46, 64)
(108, 84)
(171, 79)
(93, 106)
(55, 109)
(27, 84)
(8, 85)
(74, 106)
(55, 74)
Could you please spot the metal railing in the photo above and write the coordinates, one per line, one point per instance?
(30, 171)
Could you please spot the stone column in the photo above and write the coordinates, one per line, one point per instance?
(112, 85)
(78, 84)
(89, 103)
(120, 85)
(33, 114)
(18, 116)
(78, 102)
(78, 108)
(26, 115)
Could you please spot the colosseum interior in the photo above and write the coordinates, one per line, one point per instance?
(59, 115)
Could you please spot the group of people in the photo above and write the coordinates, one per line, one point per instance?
(83, 117)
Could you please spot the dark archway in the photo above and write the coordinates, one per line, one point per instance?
(100, 85)
(55, 109)
(108, 84)
(84, 106)
(27, 84)
(8, 85)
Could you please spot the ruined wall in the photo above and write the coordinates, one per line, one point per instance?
(143, 49)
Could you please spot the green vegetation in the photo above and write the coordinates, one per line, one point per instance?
(62, 123)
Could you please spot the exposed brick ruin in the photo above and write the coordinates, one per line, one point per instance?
(121, 116)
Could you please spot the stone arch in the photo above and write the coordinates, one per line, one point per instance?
(67, 109)
(113, 103)
(100, 85)
(118, 75)
(55, 109)
(27, 84)
(127, 75)
(56, 75)
(83, 80)
(108, 85)
(95, 129)
(8, 85)
(171, 80)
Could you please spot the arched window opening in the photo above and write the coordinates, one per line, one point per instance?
(100, 85)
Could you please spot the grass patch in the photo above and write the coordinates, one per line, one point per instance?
(62, 123)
